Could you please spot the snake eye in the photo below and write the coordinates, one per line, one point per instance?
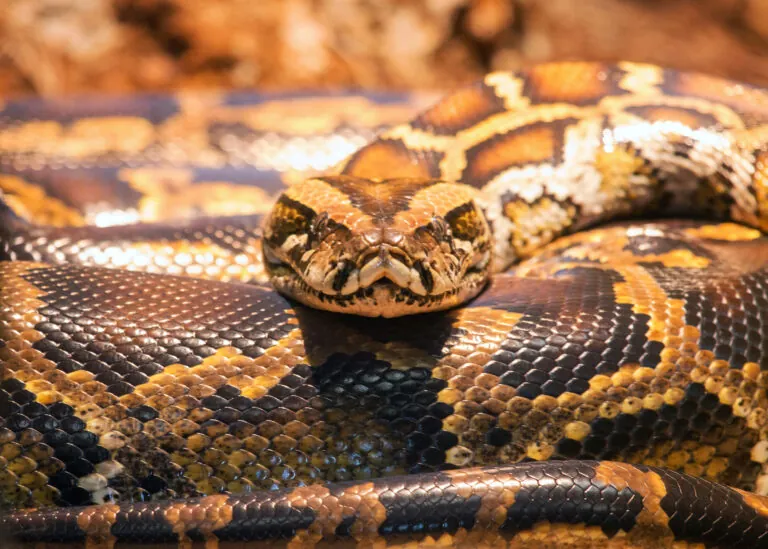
(318, 227)
(439, 228)
(436, 229)
(322, 226)
(320, 222)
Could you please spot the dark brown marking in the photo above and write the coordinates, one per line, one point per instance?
(690, 117)
(460, 111)
(575, 83)
(380, 199)
(746, 99)
(465, 222)
(426, 276)
(533, 144)
(387, 159)
(648, 484)
(295, 218)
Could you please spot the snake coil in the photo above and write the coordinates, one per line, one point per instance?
(561, 386)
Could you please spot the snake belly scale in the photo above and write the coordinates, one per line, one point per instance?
(511, 376)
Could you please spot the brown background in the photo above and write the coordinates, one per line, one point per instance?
(49, 47)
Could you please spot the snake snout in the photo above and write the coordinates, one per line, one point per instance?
(387, 263)
(386, 236)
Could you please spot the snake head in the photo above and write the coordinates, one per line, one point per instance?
(378, 247)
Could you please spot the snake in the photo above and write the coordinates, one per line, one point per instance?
(535, 315)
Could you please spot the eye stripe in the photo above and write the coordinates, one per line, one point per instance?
(289, 217)
(342, 276)
(426, 276)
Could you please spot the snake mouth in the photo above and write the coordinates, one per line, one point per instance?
(381, 297)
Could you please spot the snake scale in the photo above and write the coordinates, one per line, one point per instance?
(559, 280)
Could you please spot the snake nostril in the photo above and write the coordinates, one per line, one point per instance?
(368, 257)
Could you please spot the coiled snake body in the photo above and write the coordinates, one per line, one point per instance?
(607, 391)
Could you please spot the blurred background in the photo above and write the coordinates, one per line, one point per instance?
(50, 47)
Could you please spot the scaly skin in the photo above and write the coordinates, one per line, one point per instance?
(210, 411)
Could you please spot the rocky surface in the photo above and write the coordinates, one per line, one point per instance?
(49, 47)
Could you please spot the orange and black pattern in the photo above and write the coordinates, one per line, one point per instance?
(132, 387)
(521, 505)
(610, 391)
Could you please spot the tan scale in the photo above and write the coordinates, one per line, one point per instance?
(172, 194)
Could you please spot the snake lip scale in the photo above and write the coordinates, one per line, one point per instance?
(532, 314)
(379, 291)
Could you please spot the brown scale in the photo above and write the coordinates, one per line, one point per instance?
(573, 83)
(393, 158)
(466, 108)
(742, 97)
(532, 144)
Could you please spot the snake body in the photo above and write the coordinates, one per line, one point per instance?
(607, 390)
